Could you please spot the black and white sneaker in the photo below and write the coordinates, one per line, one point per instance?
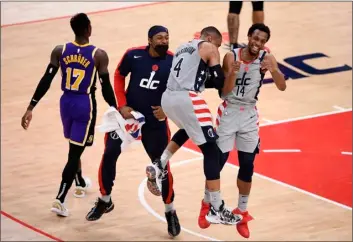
(101, 207)
(155, 174)
(223, 216)
(173, 223)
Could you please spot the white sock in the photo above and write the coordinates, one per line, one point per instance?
(207, 198)
(243, 202)
(165, 157)
(106, 198)
(169, 207)
(215, 199)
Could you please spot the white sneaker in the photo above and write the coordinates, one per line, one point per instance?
(59, 208)
(223, 216)
(81, 191)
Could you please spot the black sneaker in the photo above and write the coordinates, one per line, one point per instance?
(99, 209)
(173, 223)
(223, 216)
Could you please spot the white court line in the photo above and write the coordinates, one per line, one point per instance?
(338, 108)
(346, 153)
(154, 213)
(307, 117)
(287, 185)
(141, 196)
(267, 120)
(296, 189)
(281, 150)
(292, 187)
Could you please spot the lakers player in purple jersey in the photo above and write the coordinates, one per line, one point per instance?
(79, 62)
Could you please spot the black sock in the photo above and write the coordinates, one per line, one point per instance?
(70, 170)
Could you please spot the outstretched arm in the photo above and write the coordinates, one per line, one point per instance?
(102, 66)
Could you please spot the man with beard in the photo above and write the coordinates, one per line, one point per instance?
(149, 68)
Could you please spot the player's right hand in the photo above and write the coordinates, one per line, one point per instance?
(125, 112)
(26, 119)
(235, 67)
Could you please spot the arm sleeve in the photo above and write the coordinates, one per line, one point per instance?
(44, 84)
(107, 90)
(122, 70)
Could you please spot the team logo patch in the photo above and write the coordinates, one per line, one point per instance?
(155, 68)
(114, 135)
(90, 139)
(211, 133)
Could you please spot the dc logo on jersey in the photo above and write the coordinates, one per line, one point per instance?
(150, 83)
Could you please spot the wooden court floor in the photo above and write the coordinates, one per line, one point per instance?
(288, 203)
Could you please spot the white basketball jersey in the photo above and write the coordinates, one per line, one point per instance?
(248, 81)
(188, 71)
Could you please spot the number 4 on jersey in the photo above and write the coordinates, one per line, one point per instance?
(177, 67)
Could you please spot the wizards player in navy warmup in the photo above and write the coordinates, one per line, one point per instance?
(79, 62)
(149, 68)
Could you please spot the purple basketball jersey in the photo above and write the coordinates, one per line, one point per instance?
(78, 68)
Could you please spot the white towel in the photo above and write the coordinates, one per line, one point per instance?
(127, 130)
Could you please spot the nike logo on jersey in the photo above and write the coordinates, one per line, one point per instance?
(34, 100)
(137, 56)
(252, 116)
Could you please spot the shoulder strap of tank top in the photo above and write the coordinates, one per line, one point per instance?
(262, 56)
(235, 55)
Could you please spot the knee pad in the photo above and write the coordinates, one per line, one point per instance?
(235, 6)
(246, 165)
(257, 6)
(180, 137)
(211, 164)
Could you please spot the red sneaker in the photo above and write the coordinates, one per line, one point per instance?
(242, 227)
(203, 223)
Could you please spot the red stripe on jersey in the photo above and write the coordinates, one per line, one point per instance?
(198, 102)
(192, 94)
(206, 119)
(204, 110)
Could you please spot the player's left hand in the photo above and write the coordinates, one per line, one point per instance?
(268, 64)
(158, 112)
(26, 119)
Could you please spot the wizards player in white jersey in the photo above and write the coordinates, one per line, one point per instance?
(183, 105)
(237, 121)
(237, 116)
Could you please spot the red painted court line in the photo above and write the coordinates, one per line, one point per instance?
(319, 168)
(89, 13)
(30, 227)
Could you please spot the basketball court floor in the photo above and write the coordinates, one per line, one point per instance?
(302, 189)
